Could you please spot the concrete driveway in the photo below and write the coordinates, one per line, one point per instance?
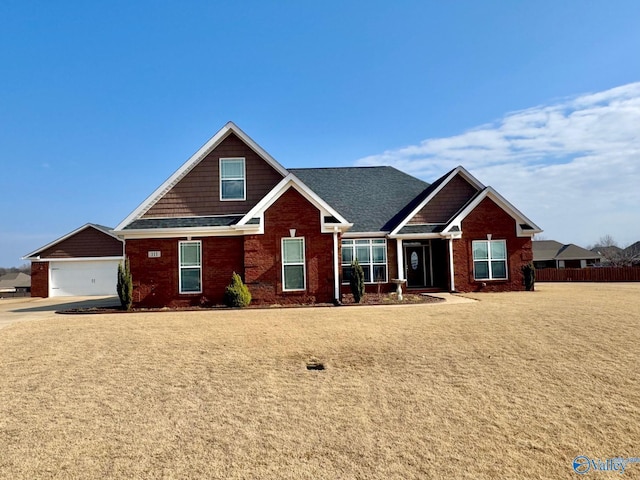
(14, 310)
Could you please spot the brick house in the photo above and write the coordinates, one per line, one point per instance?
(292, 234)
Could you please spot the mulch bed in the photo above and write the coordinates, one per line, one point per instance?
(347, 300)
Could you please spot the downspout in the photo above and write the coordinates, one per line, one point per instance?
(336, 266)
(451, 269)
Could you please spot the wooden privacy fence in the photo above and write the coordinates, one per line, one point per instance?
(603, 274)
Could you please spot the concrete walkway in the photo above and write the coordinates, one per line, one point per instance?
(14, 310)
(452, 298)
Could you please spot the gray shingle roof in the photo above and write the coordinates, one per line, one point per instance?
(425, 228)
(373, 198)
(12, 280)
(184, 222)
(544, 250)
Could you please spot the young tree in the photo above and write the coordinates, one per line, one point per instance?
(357, 281)
(125, 285)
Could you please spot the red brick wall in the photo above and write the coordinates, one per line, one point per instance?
(156, 280)
(262, 257)
(40, 279)
(490, 218)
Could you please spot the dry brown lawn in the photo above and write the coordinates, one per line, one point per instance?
(514, 385)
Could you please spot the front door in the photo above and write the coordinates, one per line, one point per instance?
(417, 266)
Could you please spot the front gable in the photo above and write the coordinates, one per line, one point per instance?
(198, 192)
(446, 202)
(194, 189)
(88, 241)
(432, 210)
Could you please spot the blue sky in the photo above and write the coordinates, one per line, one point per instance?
(101, 101)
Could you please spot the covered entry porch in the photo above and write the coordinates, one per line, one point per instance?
(425, 264)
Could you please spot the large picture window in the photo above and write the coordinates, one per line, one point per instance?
(232, 179)
(293, 264)
(371, 255)
(489, 259)
(190, 258)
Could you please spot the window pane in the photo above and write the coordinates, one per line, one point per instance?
(363, 242)
(480, 250)
(190, 254)
(190, 280)
(367, 272)
(378, 241)
(498, 250)
(363, 254)
(347, 242)
(346, 274)
(379, 254)
(499, 269)
(232, 189)
(294, 277)
(379, 273)
(481, 270)
(347, 255)
(292, 250)
(232, 169)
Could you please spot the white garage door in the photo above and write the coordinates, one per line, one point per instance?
(83, 278)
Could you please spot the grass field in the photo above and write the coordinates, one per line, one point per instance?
(514, 385)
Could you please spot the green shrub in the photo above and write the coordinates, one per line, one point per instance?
(529, 274)
(125, 285)
(357, 281)
(237, 294)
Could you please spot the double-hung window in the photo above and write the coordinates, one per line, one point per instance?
(233, 184)
(190, 258)
(489, 259)
(293, 264)
(371, 255)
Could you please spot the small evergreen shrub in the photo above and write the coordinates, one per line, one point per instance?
(357, 281)
(237, 294)
(125, 285)
(529, 274)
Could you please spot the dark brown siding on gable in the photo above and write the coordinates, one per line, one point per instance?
(453, 196)
(90, 242)
(198, 193)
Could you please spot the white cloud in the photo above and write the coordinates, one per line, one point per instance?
(572, 166)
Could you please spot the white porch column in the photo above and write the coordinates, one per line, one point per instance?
(400, 257)
(336, 266)
(451, 269)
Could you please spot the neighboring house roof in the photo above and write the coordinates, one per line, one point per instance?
(545, 250)
(370, 197)
(10, 281)
(633, 248)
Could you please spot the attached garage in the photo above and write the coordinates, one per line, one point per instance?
(83, 278)
(81, 263)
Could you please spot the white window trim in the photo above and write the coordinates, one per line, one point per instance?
(371, 263)
(303, 263)
(180, 267)
(489, 260)
(244, 179)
